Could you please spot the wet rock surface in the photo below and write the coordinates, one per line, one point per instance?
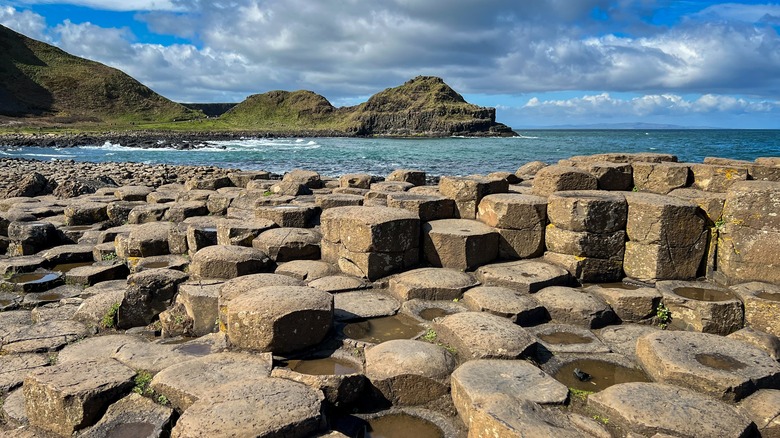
(514, 313)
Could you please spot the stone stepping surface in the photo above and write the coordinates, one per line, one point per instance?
(528, 276)
(721, 367)
(431, 284)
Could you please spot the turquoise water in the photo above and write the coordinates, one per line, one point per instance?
(446, 156)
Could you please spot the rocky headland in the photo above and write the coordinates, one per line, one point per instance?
(607, 295)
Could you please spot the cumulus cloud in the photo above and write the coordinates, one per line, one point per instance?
(25, 22)
(111, 5)
(604, 105)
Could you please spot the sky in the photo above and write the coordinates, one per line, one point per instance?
(540, 63)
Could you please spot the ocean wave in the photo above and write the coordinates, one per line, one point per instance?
(527, 136)
(56, 156)
(266, 144)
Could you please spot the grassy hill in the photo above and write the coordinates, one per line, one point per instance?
(39, 80)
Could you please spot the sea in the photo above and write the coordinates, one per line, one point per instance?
(439, 156)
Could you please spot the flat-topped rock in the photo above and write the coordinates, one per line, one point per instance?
(58, 403)
(467, 192)
(462, 244)
(556, 178)
(711, 203)
(588, 211)
(371, 229)
(502, 416)
(567, 338)
(702, 306)
(306, 270)
(338, 200)
(431, 284)
(185, 383)
(339, 283)
(428, 207)
(723, 368)
(223, 261)
(41, 337)
(297, 216)
(630, 304)
(762, 305)
(238, 286)
(622, 338)
(575, 306)
(520, 308)
(408, 372)
(479, 335)
(146, 240)
(147, 213)
(96, 347)
(279, 319)
(355, 305)
(525, 276)
(478, 381)
(513, 211)
(645, 408)
(415, 177)
(763, 408)
(15, 367)
(657, 219)
(132, 193)
(269, 407)
(285, 244)
(132, 414)
(717, 178)
(241, 232)
(765, 341)
(660, 178)
(151, 357)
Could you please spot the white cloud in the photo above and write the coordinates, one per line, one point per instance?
(25, 22)
(604, 105)
(112, 5)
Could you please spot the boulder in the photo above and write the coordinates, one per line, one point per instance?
(431, 284)
(427, 207)
(240, 232)
(468, 192)
(575, 306)
(308, 178)
(56, 402)
(148, 293)
(660, 178)
(285, 244)
(459, 243)
(85, 213)
(225, 261)
(416, 177)
(279, 319)
(295, 216)
(146, 213)
(525, 276)
(556, 178)
(479, 335)
(27, 238)
(520, 308)
(408, 372)
(355, 180)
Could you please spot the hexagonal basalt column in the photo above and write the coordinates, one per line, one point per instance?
(370, 242)
(702, 307)
(459, 243)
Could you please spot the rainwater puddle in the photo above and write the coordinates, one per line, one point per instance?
(34, 278)
(402, 426)
(719, 361)
(703, 294)
(770, 296)
(154, 265)
(322, 367)
(616, 285)
(563, 338)
(66, 267)
(431, 313)
(377, 330)
(603, 375)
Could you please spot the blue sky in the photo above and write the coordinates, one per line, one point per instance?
(540, 63)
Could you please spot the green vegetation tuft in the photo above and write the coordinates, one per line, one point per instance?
(663, 316)
(109, 319)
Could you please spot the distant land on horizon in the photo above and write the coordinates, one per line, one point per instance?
(623, 126)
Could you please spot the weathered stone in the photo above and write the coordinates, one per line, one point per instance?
(268, 408)
(513, 211)
(290, 188)
(622, 338)
(408, 372)
(45, 336)
(575, 306)
(566, 338)
(585, 244)
(186, 383)
(356, 180)
(363, 304)
(132, 414)
(431, 284)
(146, 213)
(339, 283)
(285, 244)
(280, 319)
(148, 240)
(713, 178)
(530, 168)
(238, 286)
(714, 365)
(132, 193)
(520, 244)
(763, 407)
(651, 262)
(428, 207)
(295, 216)
(208, 183)
(223, 261)
(85, 213)
(504, 417)
(15, 367)
(241, 179)
(416, 177)
(551, 179)
(588, 211)
(151, 357)
(388, 187)
(201, 303)
(702, 307)
(587, 269)
(459, 243)
(711, 203)
(96, 348)
(520, 308)
(630, 304)
(479, 335)
(308, 178)
(180, 211)
(525, 276)
(478, 381)
(148, 293)
(96, 273)
(611, 176)
(371, 229)
(307, 270)
(338, 200)
(468, 192)
(16, 265)
(660, 178)
(645, 408)
(27, 238)
(58, 403)
(765, 341)
(241, 232)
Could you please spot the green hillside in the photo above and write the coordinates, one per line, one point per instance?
(39, 80)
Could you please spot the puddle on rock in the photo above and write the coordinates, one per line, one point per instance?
(602, 375)
(66, 267)
(769, 296)
(719, 361)
(431, 313)
(402, 426)
(563, 338)
(326, 366)
(34, 278)
(703, 294)
(131, 430)
(377, 330)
